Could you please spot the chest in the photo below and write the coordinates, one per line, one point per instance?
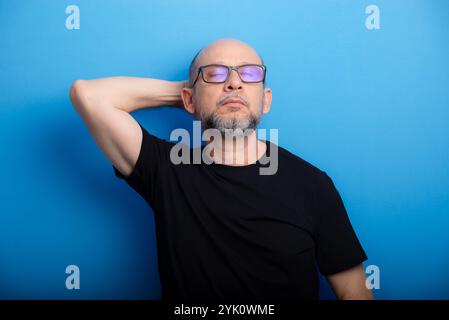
(241, 212)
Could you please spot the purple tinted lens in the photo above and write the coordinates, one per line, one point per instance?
(215, 73)
(251, 73)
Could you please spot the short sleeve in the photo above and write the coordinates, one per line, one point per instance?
(153, 158)
(337, 245)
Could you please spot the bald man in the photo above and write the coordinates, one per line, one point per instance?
(224, 230)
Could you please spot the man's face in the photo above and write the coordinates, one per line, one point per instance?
(213, 104)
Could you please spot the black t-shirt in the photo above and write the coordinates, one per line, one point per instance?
(228, 233)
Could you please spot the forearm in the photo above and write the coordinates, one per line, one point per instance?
(126, 93)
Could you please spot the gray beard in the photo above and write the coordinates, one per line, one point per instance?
(230, 126)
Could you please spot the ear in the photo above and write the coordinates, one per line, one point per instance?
(187, 99)
(267, 100)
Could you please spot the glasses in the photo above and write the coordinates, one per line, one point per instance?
(217, 73)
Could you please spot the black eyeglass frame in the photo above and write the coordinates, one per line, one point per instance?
(230, 68)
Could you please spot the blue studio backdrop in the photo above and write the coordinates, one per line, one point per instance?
(360, 89)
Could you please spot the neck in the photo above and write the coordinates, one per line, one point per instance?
(236, 150)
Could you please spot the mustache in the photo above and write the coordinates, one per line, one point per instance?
(233, 96)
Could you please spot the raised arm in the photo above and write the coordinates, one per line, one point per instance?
(105, 105)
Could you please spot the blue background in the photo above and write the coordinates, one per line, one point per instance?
(370, 107)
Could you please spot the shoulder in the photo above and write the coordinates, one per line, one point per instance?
(295, 164)
(150, 139)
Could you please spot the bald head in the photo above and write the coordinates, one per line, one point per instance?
(221, 51)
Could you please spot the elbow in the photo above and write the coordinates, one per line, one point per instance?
(78, 93)
(75, 89)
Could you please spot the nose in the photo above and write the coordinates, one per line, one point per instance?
(234, 82)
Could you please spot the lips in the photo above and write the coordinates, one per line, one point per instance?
(233, 101)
